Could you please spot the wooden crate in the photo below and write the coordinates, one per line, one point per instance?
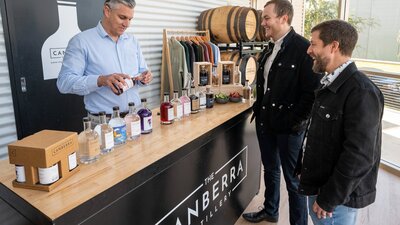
(196, 72)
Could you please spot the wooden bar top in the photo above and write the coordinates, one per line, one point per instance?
(123, 162)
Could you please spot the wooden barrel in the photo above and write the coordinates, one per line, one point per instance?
(229, 24)
(260, 29)
(247, 64)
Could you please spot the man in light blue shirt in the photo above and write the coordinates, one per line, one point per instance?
(99, 59)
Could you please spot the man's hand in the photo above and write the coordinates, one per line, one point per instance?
(321, 214)
(113, 80)
(145, 77)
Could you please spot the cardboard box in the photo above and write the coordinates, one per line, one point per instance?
(43, 150)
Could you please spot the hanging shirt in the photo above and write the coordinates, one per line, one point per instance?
(92, 53)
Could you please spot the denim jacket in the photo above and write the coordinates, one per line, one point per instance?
(343, 147)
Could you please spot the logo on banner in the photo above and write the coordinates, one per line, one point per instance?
(210, 197)
(53, 49)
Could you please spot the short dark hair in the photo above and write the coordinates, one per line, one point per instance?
(340, 31)
(112, 3)
(282, 7)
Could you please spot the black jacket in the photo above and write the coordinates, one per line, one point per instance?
(286, 105)
(343, 147)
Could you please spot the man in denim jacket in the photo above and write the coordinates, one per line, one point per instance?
(343, 146)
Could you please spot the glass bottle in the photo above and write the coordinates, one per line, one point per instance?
(194, 101)
(215, 78)
(132, 120)
(106, 134)
(202, 100)
(178, 106)
(209, 97)
(166, 110)
(237, 76)
(146, 118)
(203, 76)
(129, 83)
(246, 91)
(186, 102)
(226, 74)
(119, 127)
(88, 141)
(53, 48)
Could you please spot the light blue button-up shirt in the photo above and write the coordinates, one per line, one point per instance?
(92, 53)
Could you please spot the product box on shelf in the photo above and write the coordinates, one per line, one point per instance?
(202, 74)
(45, 159)
(225, 71)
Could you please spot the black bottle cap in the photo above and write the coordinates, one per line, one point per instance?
(102, 113)
(131, 104)
(176, 91)
(116, 108)
(143, 100)
(86, 119)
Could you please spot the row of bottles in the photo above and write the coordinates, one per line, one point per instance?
(226, 75)
(116, 132)
(179, 107)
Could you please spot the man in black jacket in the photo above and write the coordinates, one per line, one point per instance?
(285, 94)
(343, 145)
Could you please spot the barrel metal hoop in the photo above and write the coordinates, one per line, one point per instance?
(242, 24)
(228, 25)
(212, 36)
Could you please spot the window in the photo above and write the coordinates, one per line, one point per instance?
(377, 54)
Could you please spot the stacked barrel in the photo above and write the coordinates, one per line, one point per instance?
(234, 24)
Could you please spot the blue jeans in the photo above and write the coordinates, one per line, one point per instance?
(282, 150)
(342, 215)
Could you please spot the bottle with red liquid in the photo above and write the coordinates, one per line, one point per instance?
(166, 110)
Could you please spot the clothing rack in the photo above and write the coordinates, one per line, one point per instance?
(166, 55)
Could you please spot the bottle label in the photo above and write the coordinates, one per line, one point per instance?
(120, 134)
(20, 172)
(49, 175)
(195, 104)
(147, 123)
(108, 140)
(170, 114)
(203, 102)
(72, 163)
(93, 147)
(210, 102)
(186, 108)
(129, 84)
(179, 111)
(135, 128)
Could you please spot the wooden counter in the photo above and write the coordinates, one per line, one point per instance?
(103, 183)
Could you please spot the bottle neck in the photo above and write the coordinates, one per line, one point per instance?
(103, 119)
(87, 125)
(132, 109)
(115, 114)
(166, 98)
(176, 95)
